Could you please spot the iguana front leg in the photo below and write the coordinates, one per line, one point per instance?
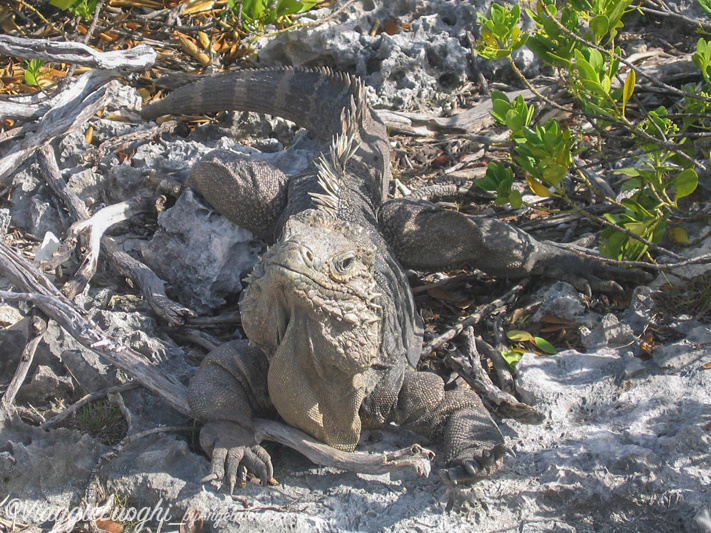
(227, 392)
(473, 444)
(250, 193)
(427, 237)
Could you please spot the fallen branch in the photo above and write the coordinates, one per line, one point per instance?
(56, 306)
(80, 101)
(93, 229)
(466, 122)
(502, 403)
(493, 354)
(38, 328)
(413, 457)
(17, 110)
(61, 119)
(69, 411)
(699, 260)
(137, 58)
(150, 285)
(481, 313)
(196, 336)
(92, 337)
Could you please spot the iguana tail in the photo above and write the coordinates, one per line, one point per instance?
(323, 102)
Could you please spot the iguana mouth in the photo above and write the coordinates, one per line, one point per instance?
(313, 279)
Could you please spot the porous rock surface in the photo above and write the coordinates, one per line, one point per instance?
(421, 58)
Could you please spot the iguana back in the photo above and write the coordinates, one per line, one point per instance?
(325, 103)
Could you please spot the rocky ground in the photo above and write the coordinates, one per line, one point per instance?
(626, 444)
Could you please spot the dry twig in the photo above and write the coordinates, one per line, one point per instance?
(38, 328)
(502, 403)
(138, 58)
(481, 313)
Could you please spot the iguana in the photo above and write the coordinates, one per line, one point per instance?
(334, 333)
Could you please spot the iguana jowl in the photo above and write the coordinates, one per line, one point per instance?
(334, 332)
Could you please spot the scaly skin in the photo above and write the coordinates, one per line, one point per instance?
(329, 306)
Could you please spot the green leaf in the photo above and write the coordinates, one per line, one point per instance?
(518, 335)
(679, 235)
(585, 69)
(612, 246)
(32, 72)
(538, 188)
(629, 171)
(514, 120)
(515, 199)
(599, 26)
(501, 105)
(628, 89)
(544, 345)
(486, 183)
(685, 183)
(63, 4)
(512, 356)
(706, 6)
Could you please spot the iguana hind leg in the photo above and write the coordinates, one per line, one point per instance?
(227, 392)
(427, 237)
(250, 193)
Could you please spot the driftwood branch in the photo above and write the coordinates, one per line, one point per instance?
(93, 229)
(69, 411)
(502, 403)
(466, 122)
(55, 305)
(50, 170)
(38, 328)
(61, 119)
(138, 58)
(18, 110)
(414, 457)
(151, 286)
(493, 354)
(481, 313)
(76, 104)
(111, 350)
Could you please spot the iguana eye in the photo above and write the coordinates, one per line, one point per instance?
(344, 263)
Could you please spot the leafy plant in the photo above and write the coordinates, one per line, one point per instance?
(578, 39)
(706, 6)
(522, 336)
(258, 13)
(32, 72)
(526, 342)
(82, 8)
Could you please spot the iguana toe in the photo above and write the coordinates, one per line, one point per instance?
(234, 455)
(477, 467)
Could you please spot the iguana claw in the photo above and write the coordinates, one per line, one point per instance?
(469, 471)
(234, 455)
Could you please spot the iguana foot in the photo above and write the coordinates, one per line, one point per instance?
(234, 454)
(472, 467)
(584, 273)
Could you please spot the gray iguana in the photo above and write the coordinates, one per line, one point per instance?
(333, 329)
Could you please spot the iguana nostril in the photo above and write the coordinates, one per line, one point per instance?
(307, 255)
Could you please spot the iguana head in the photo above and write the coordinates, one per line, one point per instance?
(320, 277)
(311, 306)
